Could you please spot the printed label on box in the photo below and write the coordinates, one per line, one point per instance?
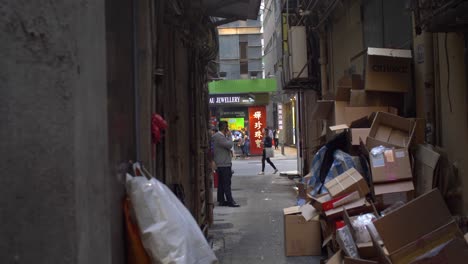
(389, 155)
(378, 160)
(399, 154)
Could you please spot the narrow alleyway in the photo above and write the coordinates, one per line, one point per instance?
(253, 233)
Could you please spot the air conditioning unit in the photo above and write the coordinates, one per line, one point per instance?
(298, 53)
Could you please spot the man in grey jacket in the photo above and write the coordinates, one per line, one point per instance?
(222, 145)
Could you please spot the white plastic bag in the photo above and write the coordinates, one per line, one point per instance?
(170, 234)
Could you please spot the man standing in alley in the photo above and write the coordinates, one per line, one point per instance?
(222, 145)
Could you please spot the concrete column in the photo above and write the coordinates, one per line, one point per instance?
(53, 101)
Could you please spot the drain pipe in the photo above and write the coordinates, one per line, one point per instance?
(136, 79)
(323, 63)
(429, 86)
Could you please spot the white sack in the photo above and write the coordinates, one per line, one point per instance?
(170, 234)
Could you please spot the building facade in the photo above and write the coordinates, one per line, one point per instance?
(241, 94)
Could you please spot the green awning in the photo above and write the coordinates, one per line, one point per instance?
(242, 86)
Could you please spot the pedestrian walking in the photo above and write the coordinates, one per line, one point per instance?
(222, 145)
(275, 136)
(268, 151)
(246, 146)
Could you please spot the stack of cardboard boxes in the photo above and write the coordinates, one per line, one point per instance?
(391, 213)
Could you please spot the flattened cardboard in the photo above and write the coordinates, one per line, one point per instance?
(426, 243)
(345, 84)
(413, 220)
(391, 131)
(372, 98)
(338, 127)
(381, 256)
(388, 70)
(354, 113)
(336, 259)
(425, 165)
(322, 109)
(348, 182)
(348, 260)
(308, 212)
(454, 251)
(317, 202)
(292, 210)
(392, 165)
(301, 237)
(353, 81)
(342, 93)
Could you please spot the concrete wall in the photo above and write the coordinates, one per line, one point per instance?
(121, 113)
(53, 100)
(453, 101)
(387, 24)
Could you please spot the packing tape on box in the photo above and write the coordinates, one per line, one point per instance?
(350, 175)
(355, 181)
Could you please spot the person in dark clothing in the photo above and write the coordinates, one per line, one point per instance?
(222, 145)
(275, 136)
(267, 151)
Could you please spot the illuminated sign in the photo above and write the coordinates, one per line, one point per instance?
(257, 123)
(225, 100)
(231, 100)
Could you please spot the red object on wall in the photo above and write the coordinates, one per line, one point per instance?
(257, 123)
(158, 124)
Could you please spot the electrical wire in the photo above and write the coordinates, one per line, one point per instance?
(448, 73)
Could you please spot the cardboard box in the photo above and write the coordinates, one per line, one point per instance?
(338, 112)
(372, 98)
(358, 134)
(390, 165)
(425, 164)
(388, 194)
(346, 84)
(338, 258)
(426, 218)
(301, 237)
(388, 70)
(354, 113)
(419, 131)
(326, 203)
(348, 182)
(355, 207)
(391, 131)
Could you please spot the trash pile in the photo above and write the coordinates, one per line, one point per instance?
(376, 191)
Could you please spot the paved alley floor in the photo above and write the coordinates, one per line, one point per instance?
(253, 233)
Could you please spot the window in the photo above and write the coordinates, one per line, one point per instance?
(243, 50)
(244, 67)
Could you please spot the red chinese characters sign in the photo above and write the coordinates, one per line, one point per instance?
(257, 123)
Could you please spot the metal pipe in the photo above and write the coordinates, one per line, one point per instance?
(135, 79)
(323, 63)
